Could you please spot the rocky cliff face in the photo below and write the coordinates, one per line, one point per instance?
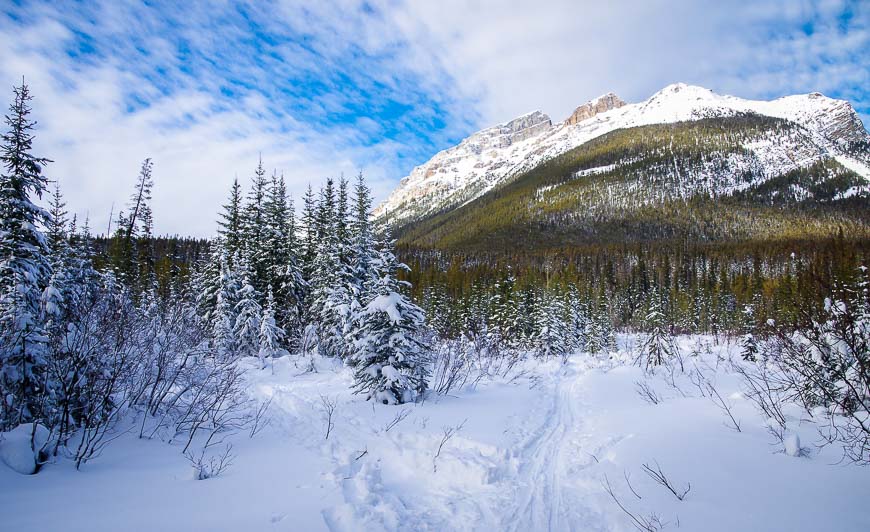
(504, 135)
(836, 121)
(598, 105)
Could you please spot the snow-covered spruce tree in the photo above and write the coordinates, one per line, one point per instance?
(57, 231)
(502, 312)
(390, 356)
(205, 282)
(363, 252)
(282, 266)
(749, 344)
(60, 256)
(252, 222)
(132, 230)
(230, 222)
(600, 337)
(524, 319)
(72, 363)
(578, 320)
(331, 279)
(310, 235)
(659, 344)
(248, 316)
(271, 335)
(223, 321)
(25, 271)
(361, 260)
(146, 275)
(552, 339)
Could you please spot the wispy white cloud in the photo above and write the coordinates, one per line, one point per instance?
(321, 88)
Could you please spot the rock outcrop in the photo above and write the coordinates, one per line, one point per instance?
(589, 109)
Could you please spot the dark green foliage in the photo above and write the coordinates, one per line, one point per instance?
(670, 182)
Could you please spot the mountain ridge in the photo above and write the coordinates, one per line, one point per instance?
(495, 155)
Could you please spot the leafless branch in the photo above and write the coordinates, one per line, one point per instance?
(448, 433)
(328, 406)
(659, 476)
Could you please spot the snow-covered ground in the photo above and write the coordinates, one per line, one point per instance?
(533, 450)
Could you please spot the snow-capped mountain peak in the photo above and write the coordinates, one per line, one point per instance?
(494, 155)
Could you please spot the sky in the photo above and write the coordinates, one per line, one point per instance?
(328, 88)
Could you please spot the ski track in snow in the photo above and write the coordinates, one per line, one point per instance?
(537, 494)
(540, 504)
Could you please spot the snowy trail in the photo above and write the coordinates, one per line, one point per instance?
(546, 500)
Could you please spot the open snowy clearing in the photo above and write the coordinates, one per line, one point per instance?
(533, 450)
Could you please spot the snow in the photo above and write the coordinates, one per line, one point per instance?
(388, 305)
(792, 444)
(17, 449)
(528, 451)
(460, 174)
(856, 166)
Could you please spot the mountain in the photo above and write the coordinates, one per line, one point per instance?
(756, 141)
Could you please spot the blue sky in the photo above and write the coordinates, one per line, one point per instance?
(324, 88)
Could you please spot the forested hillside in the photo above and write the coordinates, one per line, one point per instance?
(693, 212)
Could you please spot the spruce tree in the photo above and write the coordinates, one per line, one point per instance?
(327, 283)
(25, 271)
(310, 234)
(359, 273)
(551, 339)
(749, 345)
(230, 222)
(137, 268)
(390, 355)
(284, 278)
(223, 321)
(659, 345)
(248, 316)
(271, 334)
(57, 231)
(253, 218)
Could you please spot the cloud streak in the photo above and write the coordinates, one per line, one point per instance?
(323, 88)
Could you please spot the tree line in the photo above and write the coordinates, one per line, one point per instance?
(98, 331)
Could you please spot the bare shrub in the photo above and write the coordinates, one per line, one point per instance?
(205, 467)
(647, 393)
(447, 434)
(649, 523)
(328, 405)
(659, 476)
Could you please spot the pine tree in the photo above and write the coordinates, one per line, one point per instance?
(248, 316)
(310, 236)
(359, 272)
(284, 277)
(390, 354)
(328, 293)
(342, 234)
(253, 225)
(25, 271)
(58, 237)
(138, 246)
(551, 339)
(271, 334)
(230, 222)
(206, 282)
(749, 344)
(224, 318)
(57, 231)
(659, 344)
(600, 337)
